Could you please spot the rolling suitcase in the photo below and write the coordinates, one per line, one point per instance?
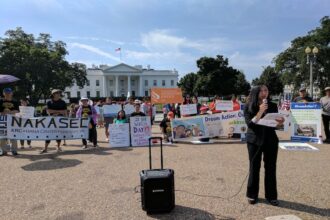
(157, 186)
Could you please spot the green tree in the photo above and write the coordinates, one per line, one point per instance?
(187, 83)
(39, 63)
(271, 79)
(291, 63)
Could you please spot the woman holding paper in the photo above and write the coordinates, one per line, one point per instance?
(261, 140)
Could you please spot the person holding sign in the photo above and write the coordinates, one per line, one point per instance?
(137, 106)
(86, 110)
(107, 118)
(9, 106)
(325, 104)
(121, 118)
(25, 102)
(261, 140)
(165, 126)
(55, 107)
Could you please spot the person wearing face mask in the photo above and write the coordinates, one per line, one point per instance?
(261, 141)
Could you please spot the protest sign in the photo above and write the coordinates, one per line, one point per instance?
(140, 130)
(26, 111)
(306, 122)
(3, 126)
(119, 135)
(166, 95)
(129, 109)
(111, 110)
(47, 128)
(188, 128)
(287, 121)
(190, 109)
(297, 146)
(224, 106)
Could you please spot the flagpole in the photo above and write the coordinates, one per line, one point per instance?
(120, 53)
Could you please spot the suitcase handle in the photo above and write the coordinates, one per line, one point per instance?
(161, 150)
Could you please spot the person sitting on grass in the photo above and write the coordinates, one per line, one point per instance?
(86, 110)
(165, 127)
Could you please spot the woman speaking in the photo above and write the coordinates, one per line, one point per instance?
(261, 140)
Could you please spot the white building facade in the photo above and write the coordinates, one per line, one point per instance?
(122, 80)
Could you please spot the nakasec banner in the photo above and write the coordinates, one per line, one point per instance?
(47, 128)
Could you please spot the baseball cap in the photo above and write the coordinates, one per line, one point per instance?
(7, 90)
(302, 89)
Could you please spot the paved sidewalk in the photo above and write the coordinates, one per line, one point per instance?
(99, 183)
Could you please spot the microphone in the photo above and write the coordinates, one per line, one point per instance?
(265, 101)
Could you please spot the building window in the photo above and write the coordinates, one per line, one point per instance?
(145, 82)
(146, 93)
(98, 94)
(172, 82)
(68, 94)
(163, 83)
(87, 83)
(122, 83)
(111, 82)
(155, 82)
(78, 94)
(88, 94)
(97, 82)
(111, 93)
(133, 83)
(133, 93)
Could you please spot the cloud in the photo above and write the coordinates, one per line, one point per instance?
(94, 50)
(95, 39)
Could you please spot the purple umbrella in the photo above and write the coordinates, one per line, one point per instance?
(7, 79)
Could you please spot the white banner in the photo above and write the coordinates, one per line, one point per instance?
(111, 110)
(47, 128)
(224, 106)
(129, 109)
(189, 109)
(119, 135)
(140, 130)
(26, 111)
(3, 126)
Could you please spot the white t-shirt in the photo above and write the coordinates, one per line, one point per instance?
(325, 104)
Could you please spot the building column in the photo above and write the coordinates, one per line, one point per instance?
(105, 86)
(116, 86)
(141, 86)
(129, 92)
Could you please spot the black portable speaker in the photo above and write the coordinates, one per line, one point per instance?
(157, 186)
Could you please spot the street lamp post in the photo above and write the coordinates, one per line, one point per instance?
(311, 60)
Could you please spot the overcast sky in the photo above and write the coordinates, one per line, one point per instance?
(168, 34)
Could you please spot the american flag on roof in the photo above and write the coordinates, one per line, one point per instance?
(118, 49)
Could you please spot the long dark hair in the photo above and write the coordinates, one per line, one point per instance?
(124, 117)
(253, 99)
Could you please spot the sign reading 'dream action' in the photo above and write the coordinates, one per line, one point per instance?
(119, 135)
(140, 130)
(224, 106)
(189, 109)
(46, 128)
(306, 122)
(166, 95)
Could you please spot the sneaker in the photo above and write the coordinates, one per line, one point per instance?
(95, 145)
(14, 153)
(273, 202)
(30, 146)
(59, 149)
(84, 147)
(43, 151)
(252, 201)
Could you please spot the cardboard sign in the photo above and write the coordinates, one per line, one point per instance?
(166, 95)
(224, 106)
(3, 126)
(306, 122)
(111, 110)
(297, 146)
(140, 130)
(190, 109)
(119, 135)
(26, 111)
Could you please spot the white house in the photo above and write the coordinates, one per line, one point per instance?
(123, 80)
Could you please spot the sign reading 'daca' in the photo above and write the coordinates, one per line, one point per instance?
(46, 128)
(140, 130)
